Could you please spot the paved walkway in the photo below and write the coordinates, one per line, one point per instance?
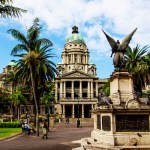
(59, 138)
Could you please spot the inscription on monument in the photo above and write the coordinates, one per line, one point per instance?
(106, 123)
(98, 122)
(134, 123)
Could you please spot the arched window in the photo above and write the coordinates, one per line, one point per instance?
(92, 72)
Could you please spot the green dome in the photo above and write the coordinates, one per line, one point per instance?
(12, 63)
(75, 37)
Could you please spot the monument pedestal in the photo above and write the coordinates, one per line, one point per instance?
(121, 87)
(124, 124)
(127, 121)
(118, 126)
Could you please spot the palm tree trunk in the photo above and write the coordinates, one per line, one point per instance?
(35, 99)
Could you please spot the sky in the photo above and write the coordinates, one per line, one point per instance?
(117, 18)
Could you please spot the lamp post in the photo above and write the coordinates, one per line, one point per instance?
(78, 120)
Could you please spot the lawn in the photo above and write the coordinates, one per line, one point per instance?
(6, 132)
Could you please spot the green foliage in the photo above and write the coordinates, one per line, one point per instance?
(10, 124)
(146, 94)
(106, 89)
(47, 91)
(18, 97)
(7, 10)
(4, 101)
(135, 62)
(34, 65)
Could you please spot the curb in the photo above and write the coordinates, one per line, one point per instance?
(15, 135)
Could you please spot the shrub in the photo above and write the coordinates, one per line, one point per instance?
(10, 124)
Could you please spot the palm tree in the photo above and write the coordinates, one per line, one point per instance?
(133, 60)
(17, 99)
(6, 9)
(34, 64)
(145, 68)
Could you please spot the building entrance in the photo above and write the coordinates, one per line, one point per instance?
(68, 109)
(76, 111)
(87, 111)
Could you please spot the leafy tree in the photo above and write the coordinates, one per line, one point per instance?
(34, 64)
(6, 9)
(4, 101)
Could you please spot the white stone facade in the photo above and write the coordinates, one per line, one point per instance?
(77, 85)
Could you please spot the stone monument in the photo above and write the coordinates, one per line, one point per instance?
(126, 122)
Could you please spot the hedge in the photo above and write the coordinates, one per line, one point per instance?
(10, 124)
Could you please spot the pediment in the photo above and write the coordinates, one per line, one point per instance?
(76, 74)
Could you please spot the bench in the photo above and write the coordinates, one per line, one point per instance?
(24, 130)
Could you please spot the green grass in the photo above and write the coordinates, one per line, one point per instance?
(6, 132)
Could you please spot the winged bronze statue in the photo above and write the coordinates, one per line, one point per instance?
(119, 48)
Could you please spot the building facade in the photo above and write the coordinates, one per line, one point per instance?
(77, 83)
(76, 86)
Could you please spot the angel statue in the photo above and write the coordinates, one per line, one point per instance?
(119, 48)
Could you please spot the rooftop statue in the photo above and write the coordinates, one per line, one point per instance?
(119, 49)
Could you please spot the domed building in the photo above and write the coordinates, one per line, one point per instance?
(77, 84)
(6, 70)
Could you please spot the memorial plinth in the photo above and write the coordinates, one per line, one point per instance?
(121, 87)
(127, 120)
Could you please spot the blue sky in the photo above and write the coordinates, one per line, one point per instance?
(117, 18)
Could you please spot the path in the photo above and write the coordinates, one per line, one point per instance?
(59, 138)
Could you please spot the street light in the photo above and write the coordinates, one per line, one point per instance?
(78, 120)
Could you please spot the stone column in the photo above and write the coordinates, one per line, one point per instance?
(63, 110)
(72, 90)
(79, 58)
(92, 106)
(60, 89)
(56, 92)
(64, 89)
(82, 110)
(96, 89)
(67, 59)
(88, 89)
(80, 89)
(73, 58)
(86, 60)
(73, 111)
(91, 89)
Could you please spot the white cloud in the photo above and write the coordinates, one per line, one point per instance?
(117, 18)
